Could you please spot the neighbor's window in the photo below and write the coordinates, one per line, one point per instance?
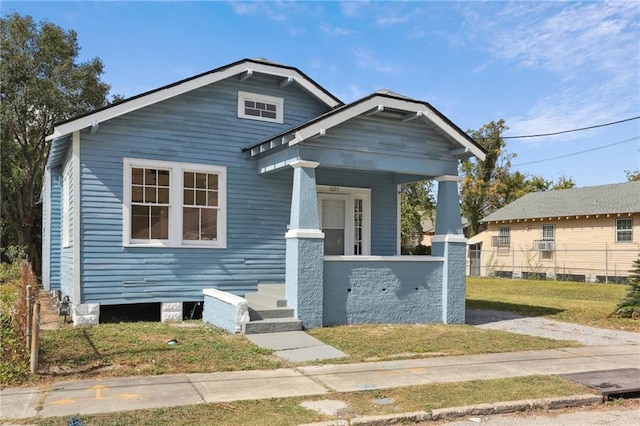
(548, 232)
(260, 107)
(504, 237)
(174, 204)
(624, 230)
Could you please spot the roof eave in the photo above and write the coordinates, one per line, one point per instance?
(370, 105)
(192, 83)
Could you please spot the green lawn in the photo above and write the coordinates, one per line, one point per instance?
(581, 303)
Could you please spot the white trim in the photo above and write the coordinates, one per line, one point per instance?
(46, 229)
(398, 220)
(64, 196)
(224, 296)
(257, 97)
(176, 170)
(349, 194)
(374, 103)
(304, 233)
(187, 86)
(449, 238)
(384, 258)
(304, 163)
(77, 220)
(448, 178)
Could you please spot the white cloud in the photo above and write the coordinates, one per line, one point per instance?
(336, 31)
(592, 49)
(366, 59)
(274, 10)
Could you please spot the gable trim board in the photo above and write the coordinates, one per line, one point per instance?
(398, 140)
(373, 104)
(246, 66)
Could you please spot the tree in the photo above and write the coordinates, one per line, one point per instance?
(416, 203)
(630, 305)
(484, 183)
(489, 185)
(632, 176)
(41, 85)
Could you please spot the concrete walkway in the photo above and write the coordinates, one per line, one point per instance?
(542, 327)
(113, 395)
(296, 346)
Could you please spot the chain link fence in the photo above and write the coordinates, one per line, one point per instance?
(605, 265)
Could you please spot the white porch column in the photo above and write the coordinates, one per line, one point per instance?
(305, 248)
(450, 242)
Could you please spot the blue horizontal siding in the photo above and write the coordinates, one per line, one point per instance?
(198, 127)
(53, 234)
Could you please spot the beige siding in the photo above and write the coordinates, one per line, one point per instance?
(584, 246)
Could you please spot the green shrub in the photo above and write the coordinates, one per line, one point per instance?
(630, 305)
(14, 358)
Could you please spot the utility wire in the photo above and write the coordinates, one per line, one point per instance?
(576, 153)
(568, 131)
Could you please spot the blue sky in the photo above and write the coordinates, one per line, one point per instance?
(541, 66)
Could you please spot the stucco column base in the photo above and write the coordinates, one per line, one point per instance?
(305, 248)
(453, 249)
(304, 279)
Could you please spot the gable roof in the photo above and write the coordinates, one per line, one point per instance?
(590, 200)
(381, 102)
(243, 68)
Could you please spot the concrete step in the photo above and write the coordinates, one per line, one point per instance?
(258, 312)
(265, 300)
(272, 290)
(272, 325)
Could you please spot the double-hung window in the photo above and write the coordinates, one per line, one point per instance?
(548, 232)
(170, 204)
(624, 230)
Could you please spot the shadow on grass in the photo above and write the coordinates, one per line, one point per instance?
(485, 311)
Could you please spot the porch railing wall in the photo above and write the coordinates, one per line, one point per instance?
(399, 289)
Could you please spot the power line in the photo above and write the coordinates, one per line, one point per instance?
(568, 131)
(577, 153)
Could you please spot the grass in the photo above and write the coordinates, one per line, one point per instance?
(376, 342)
(581, 303)
(287, 411)
(141, 348)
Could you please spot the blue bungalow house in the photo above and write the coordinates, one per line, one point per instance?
(247, 175)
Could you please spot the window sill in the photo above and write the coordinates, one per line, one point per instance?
(169, 246)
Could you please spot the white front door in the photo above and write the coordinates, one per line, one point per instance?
(345, 220)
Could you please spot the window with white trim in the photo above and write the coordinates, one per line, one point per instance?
(548, 232)
(170, 204)
(624, 230)
(255, 106)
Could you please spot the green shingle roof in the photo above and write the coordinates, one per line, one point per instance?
(590, 200)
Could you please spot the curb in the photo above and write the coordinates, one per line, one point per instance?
(469, 410)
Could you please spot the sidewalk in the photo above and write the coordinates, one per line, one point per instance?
(112, 395)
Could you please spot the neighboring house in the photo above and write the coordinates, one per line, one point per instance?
(429, 230)
(583, 234)
(253, 173)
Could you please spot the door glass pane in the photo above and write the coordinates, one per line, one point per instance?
(333, 220)
(333, 242)
(332, 213)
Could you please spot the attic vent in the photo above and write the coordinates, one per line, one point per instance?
(254, 106)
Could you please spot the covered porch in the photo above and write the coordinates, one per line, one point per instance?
(334, 274)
